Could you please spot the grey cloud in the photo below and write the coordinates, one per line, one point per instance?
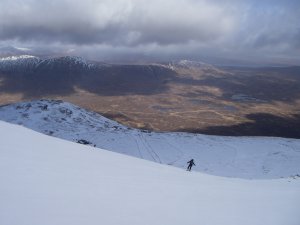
(158, 29)
(121, 22)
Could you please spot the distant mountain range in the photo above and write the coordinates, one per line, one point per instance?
(169, 96)
(34, 76)
(73, 63)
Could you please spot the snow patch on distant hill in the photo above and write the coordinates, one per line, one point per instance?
(19, 57)
(188, 64)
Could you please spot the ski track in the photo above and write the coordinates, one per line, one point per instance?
(152, 150)
(138, 147)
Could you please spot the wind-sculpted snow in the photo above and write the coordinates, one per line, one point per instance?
(244, 157)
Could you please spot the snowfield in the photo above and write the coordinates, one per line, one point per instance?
(45, 180)
(242, 157)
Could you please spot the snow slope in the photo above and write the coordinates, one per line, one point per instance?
(45, 180)
(243, 157)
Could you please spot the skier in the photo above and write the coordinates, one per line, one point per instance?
(191, 163)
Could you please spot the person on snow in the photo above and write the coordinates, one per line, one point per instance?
(191, 164)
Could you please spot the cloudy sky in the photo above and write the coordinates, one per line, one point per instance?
(265, 31)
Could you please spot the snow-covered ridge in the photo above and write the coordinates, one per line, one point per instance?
(71, 60)
(245, 157)
(19, 63)
(29, 62)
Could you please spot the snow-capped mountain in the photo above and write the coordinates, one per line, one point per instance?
(243, 157)
(27, 63)
(18, 63)
(16, 58)
(45, 180)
